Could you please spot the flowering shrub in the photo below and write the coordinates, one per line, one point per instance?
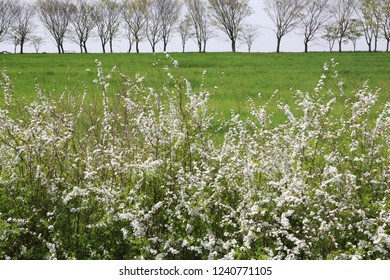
(145, 176)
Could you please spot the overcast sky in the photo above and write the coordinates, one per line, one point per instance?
(265, 42)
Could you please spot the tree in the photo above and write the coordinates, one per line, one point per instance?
(355, 31)
(55, 16)
(285, 15)
(342, 11)
(16, 42)
(198, 12)
(314, 15)
(331, 35)
(83, 21)
(229, 16)
(249, 34)
(154, 24)
(184, 30)
(370, 20)
(170, 14)
(7, 16)
(385, 20)
(36, 42)
(23, 25)
(134, 13)
(130, 38)
(108, 22)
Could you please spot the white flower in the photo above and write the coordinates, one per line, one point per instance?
(125, 232)
(284, 221)
(138, 228)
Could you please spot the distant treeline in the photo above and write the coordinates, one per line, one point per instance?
(157, 21)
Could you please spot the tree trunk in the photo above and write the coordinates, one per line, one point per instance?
(165, 45)
(111, 50)
(279, 39)
(21, 46)
(306, 42)
(137, 45)
(340, 44)
(85, 47)
(376, 44)
(103, 44)
(130, 46)
(388, 45)
(234, 46)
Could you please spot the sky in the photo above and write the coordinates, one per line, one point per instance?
(265, 42)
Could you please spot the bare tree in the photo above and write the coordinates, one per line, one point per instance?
(55, 16)
(170, 14)
(343, 11)
(83, 21)
(314, 15)
(229, 16)
(249, 34)
(36, 42)
(184, 30)
(285, 14)
(198, 12)
(134, 13)
(108, 22)
(154, 24)
(16, 42)
(24, 23)
(130, 38)
(7, 16)
(385, 16)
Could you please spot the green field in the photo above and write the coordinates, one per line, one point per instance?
(238, 76)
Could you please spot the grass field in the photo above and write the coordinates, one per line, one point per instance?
(238, 76)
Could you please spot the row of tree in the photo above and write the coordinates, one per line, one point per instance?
(157, 20)
(337, 20)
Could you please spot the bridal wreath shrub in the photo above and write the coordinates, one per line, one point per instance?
(144, 175)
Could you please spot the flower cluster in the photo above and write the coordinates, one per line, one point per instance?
(144, 175)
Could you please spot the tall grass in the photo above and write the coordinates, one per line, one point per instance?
(142, 175)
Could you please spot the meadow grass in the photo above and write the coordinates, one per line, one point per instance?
(232, 78)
